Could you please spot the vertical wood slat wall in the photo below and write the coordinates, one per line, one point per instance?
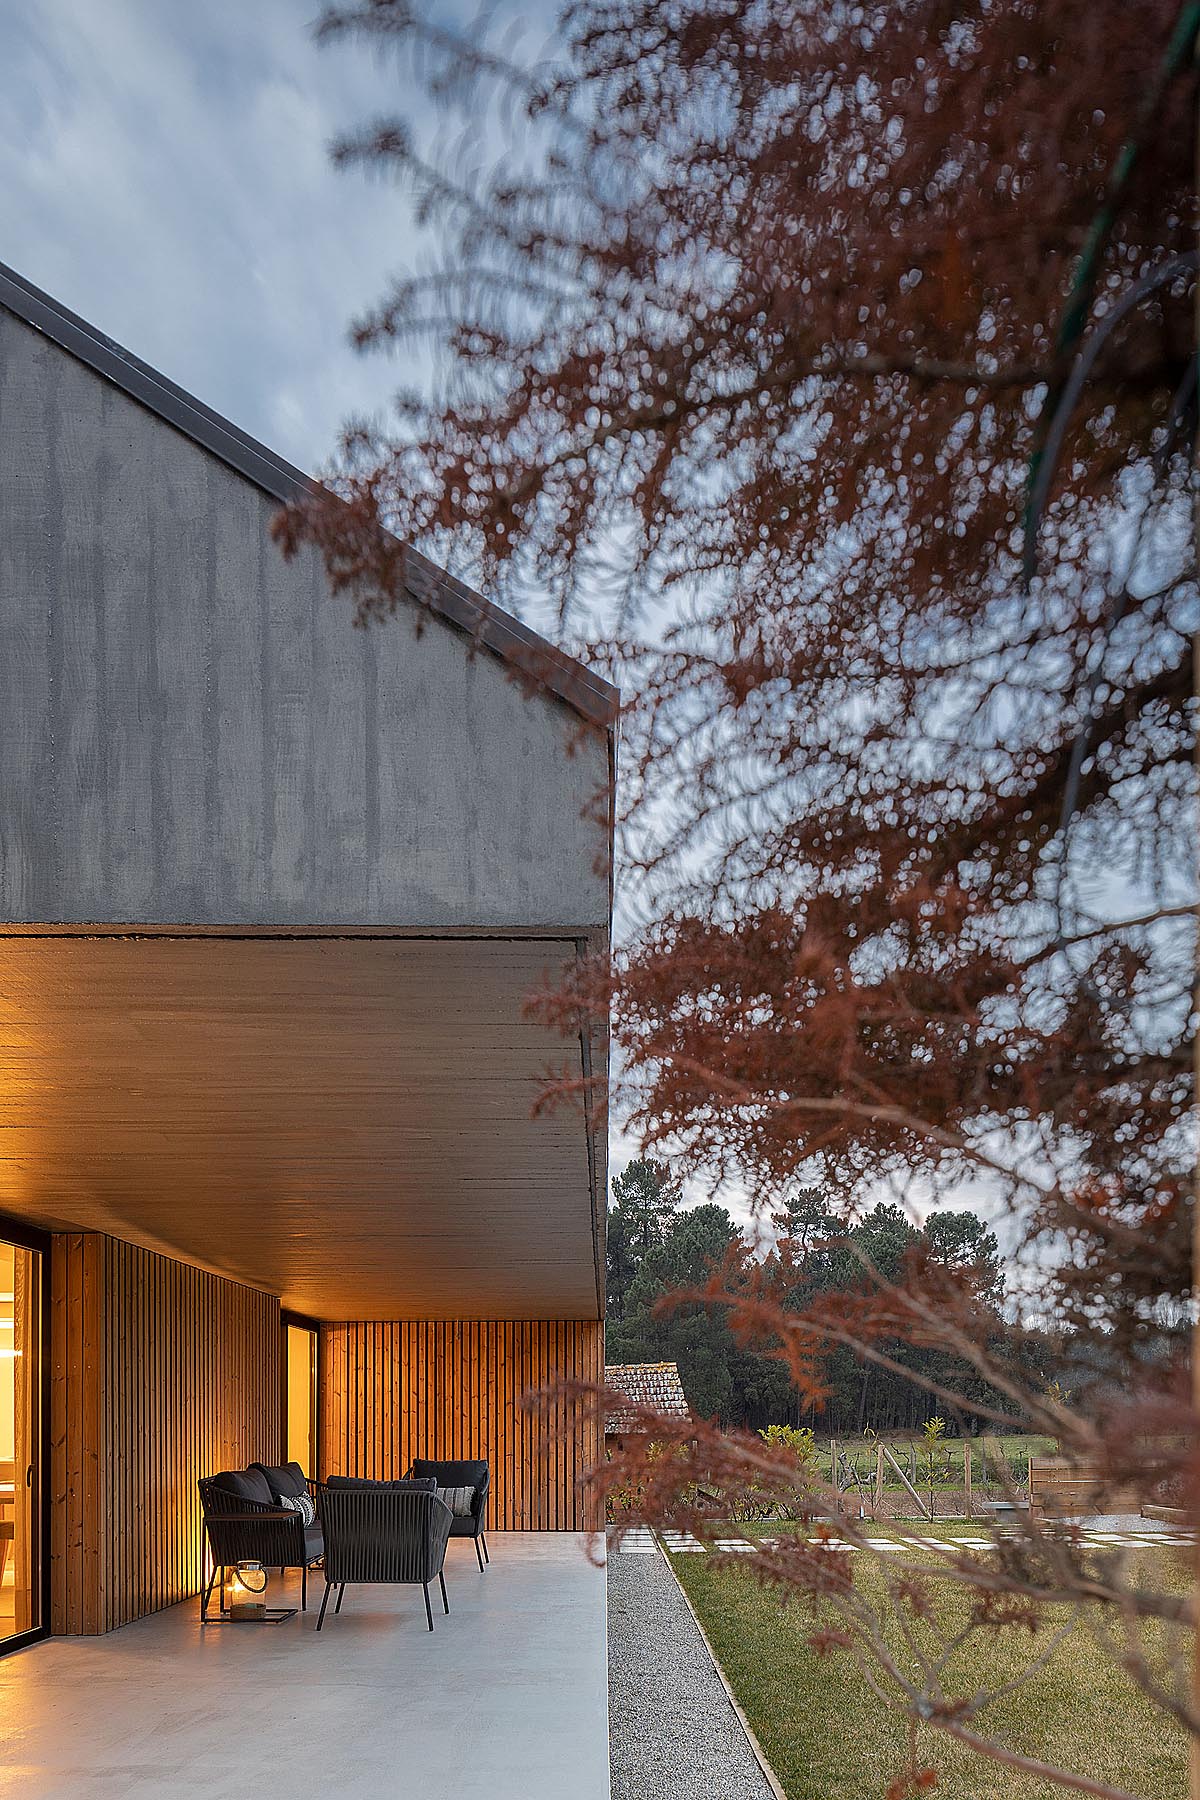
(403, 1388)
(160, 1373)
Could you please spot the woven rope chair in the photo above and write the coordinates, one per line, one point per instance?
(383, 1534)
(470, 1474)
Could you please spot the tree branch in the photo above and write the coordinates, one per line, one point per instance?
(1012, 1759)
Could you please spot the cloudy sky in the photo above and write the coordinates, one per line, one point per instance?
(167, 176)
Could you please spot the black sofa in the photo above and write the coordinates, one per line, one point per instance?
(246, 1522)
(461, 1474)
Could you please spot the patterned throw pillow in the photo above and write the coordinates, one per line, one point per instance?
(458, 1500)
(301, 1503)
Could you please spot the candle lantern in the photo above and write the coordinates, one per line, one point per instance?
(245, 1587)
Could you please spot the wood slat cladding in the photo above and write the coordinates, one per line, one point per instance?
(76, 1459)
(403, 1388)
(161, 1372)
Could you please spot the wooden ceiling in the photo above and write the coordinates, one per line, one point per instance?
(346, 1122)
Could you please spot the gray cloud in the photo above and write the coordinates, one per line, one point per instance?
(168, 179)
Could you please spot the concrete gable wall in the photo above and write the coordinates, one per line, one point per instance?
(192, 731)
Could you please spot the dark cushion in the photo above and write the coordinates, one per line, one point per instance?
(283, 1478)
(314, 1542)
(450, 1474)
(428, 1486)
(247, 1484)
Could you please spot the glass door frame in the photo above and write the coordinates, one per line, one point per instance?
(28, 1237)
(302, 1322)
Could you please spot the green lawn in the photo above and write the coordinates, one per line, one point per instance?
(829, 1738)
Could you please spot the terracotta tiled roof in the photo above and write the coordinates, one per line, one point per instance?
(656, 1385)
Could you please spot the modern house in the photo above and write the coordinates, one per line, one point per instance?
(273, 894)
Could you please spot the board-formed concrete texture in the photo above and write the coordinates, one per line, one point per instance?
(506, 1700)
(193, 731)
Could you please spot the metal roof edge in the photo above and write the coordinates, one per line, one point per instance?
(542, 662)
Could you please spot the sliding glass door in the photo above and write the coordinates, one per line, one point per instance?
(21, 1436)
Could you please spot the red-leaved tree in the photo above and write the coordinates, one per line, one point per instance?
(831, 368)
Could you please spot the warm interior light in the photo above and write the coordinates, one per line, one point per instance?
(19, 1286)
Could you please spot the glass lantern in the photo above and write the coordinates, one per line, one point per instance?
(245, 1588)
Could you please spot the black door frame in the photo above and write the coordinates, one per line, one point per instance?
(303, 1323)
(28, 1237)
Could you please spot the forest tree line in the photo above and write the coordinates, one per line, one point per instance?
(658, 1247)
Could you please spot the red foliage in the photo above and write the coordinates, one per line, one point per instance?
(747, 364)
(770, 336)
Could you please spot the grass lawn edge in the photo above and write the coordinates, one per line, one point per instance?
(760, 1755)
(1074, 1715)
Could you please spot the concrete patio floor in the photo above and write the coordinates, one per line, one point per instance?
(507, 1699)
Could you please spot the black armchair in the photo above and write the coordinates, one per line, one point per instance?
(392, 1532)
(246, 1523)
(462, 1474)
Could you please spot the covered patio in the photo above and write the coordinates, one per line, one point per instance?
(275, 1183)
(508, 1699)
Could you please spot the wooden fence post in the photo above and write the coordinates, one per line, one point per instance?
(878, 1479)
(922, 1509)
(967, 1475)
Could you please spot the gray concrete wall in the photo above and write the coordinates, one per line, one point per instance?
(192, 731)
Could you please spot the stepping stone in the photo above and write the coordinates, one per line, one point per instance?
(639, 1543)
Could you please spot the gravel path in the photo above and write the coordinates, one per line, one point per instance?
(672, 1731)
